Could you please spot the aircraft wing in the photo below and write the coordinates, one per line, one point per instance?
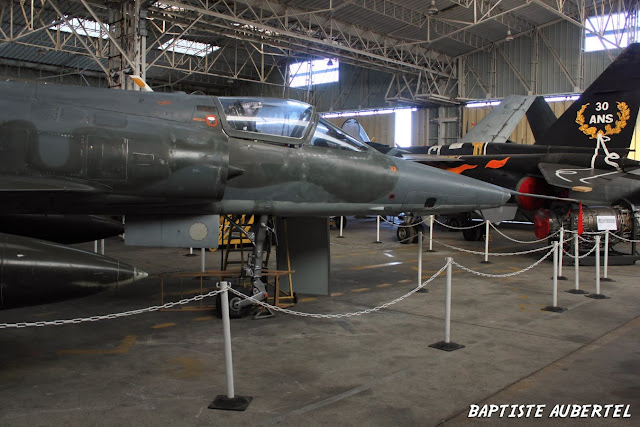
(19, 184)
(576, 178)
(501, 121)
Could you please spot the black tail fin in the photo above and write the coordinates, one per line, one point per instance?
(540, 117)
(608, 107)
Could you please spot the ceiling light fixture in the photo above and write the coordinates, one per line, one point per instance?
(432, 9)
(329, 62)
(509, 37)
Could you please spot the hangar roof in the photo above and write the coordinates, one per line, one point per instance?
(253, 40)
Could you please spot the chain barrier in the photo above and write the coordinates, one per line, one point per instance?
(424, 221)
(458, 228)
(579, 256)
(626, 240)
(530, 251)
(108, 316)
(478, 273)
(341, 315)
(523, 241)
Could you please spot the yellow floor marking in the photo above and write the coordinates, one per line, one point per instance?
(48, 313)
(307, 299)
(163, 325)
(523, 297)
(187, 368)
(360, 290)
(366, 267)
(203, 318)
(530, 307)
(123, 348)
(405, 281)
(385, 285)
(337, 294)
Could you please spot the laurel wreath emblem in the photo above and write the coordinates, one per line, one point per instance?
(592, 132)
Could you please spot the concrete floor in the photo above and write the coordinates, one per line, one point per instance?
(165, 367)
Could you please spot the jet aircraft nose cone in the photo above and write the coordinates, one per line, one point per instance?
(431, 190)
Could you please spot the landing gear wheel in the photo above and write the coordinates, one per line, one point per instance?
(405, 233)
(472, 234)
(233, 313)
(417, 229)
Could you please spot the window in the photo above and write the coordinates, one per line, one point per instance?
(188, 47)
(610, 31)
(83, 27)
(316, 72)
(267, 116)
(329, 136)
(403, 128)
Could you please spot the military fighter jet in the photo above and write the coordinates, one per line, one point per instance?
(581, 156)
(84, 151)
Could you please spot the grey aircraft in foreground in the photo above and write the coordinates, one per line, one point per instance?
(74, 152)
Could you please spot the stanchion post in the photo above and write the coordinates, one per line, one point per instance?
(230, 401)
(486, 244)
(605, 270)
(555, 307)
(447, 344)
(101, 246)
(95, 246)
(190, 253)
(341, 226)
(560, 276)
(431, 233)
(576, 269)
(597, 295)
(420, 263)
(377, 229)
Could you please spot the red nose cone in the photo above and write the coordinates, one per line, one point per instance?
(542, 224)
(531, 185)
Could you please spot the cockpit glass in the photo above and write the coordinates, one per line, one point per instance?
(277, 117)
(330, 136)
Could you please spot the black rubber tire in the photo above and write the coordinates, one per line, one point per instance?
(473, 234)
(417, 229)
(233, 314)
(405, 234)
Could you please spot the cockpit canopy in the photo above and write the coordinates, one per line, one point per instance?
(282, 121)
(277, 120)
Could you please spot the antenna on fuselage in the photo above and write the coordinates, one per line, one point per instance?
(141, 83)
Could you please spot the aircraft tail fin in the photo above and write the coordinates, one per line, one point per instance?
(606, 111)
(540, 117)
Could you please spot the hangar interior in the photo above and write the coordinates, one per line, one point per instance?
(439, 65)
(382, 54)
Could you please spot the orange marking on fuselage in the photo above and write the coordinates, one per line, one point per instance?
(497, 164)
(461, 168)
(198, 119)
(164, 102)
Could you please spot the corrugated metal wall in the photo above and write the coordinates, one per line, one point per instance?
(380, 128)
(522, 133)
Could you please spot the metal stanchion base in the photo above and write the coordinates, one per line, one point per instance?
(238, 403)
(577, 291)
(190, 254)
(606, 279)
(423, 291)
(597, 296)
(561, 278)
(554, 309)
(431, 250)
(485, 262)
(378, 241)
(340, 237)
(447, 346)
